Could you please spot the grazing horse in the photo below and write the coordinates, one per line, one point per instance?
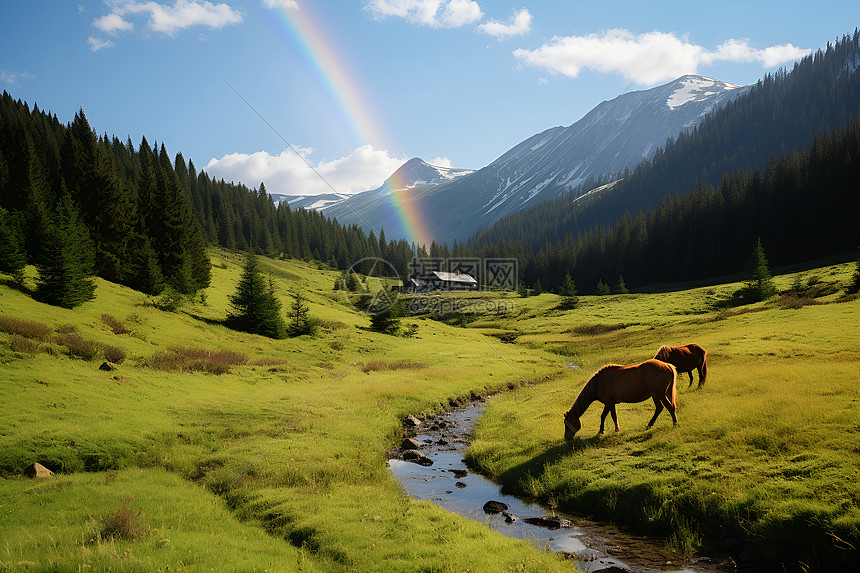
(686, 359)
(613, 384)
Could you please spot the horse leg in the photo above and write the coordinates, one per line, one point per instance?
(606, 410)
(691, 378)
(658, 407)
(615, 418)
(699, 370)
(671, 409)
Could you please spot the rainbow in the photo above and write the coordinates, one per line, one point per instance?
(320, 54)
(322, 58)
(402, 208)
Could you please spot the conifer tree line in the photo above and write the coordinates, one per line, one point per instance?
(802, 206)
(778, 162)
(140, 218)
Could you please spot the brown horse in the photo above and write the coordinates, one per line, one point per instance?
(686, 359)
(613, 384)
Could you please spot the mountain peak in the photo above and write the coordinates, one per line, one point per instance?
(693, 88)
(417, 172)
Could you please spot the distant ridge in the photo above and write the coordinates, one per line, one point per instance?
(615, 135)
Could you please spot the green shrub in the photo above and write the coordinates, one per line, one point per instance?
(78, 346)
(125, 523)
(113, 354)
(116, 325)
(18, 343)
(26, 328)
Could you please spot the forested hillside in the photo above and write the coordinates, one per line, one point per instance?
(778, 162)
(74, 204)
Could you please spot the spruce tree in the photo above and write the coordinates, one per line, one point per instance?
(299, 319)
(538, 289)
(66, 264)
(254, 306)
(854, 285)
(602, 288)
(385, 315)
(621, 286)
(568, 292)
(522, 290)
(13, 259)
(760, 286)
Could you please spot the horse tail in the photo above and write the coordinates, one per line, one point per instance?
(674, 386)
(704, 368)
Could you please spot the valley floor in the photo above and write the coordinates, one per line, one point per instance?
(208, 449)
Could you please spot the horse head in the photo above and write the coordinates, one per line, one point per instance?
(571, 425)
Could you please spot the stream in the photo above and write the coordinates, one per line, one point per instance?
(449, 483)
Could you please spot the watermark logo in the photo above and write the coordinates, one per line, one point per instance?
(373, 285)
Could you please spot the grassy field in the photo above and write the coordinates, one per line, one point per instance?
(767, 454)
(209, 449)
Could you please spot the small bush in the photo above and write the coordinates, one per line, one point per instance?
(597, 329)
(113, 354)
(26, 328)
(66, 329)
(794, 301)
(332, 325)
(116, 325)
(125, 523)
(383, 365)
(78, 346)
(196, 360)
(20, 343)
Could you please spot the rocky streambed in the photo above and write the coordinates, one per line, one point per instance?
(431, 467)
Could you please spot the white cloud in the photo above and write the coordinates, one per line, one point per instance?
(777, 55)
(185, 14)
(461, 12)
(440, 162)
(164, 18)
(519, 25)
(286, 4)
(11, 78)
(434, 13)
(112, 23)
(97, 44)
(364, 168)
(646, 58)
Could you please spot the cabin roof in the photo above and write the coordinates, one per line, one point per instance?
(457, 277)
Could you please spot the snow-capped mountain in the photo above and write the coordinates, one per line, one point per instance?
(416, 173)
(309, 201)
(615, 135)
(372, 208)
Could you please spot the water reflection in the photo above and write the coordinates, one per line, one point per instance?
(448, 483)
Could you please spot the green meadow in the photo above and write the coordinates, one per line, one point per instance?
(208, 449)
(766, 454)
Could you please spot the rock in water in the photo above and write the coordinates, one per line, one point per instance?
(548, 521)
(495, 507)
(410, 444)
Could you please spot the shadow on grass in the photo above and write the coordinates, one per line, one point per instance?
(17, 285)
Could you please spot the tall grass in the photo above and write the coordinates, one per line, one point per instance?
(281, 458)
(196, 360)
(764, 453)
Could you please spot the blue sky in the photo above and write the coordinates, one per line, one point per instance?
(358, 87)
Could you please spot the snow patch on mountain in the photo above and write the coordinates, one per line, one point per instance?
(695, 88)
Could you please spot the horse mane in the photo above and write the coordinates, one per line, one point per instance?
(587, 395)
